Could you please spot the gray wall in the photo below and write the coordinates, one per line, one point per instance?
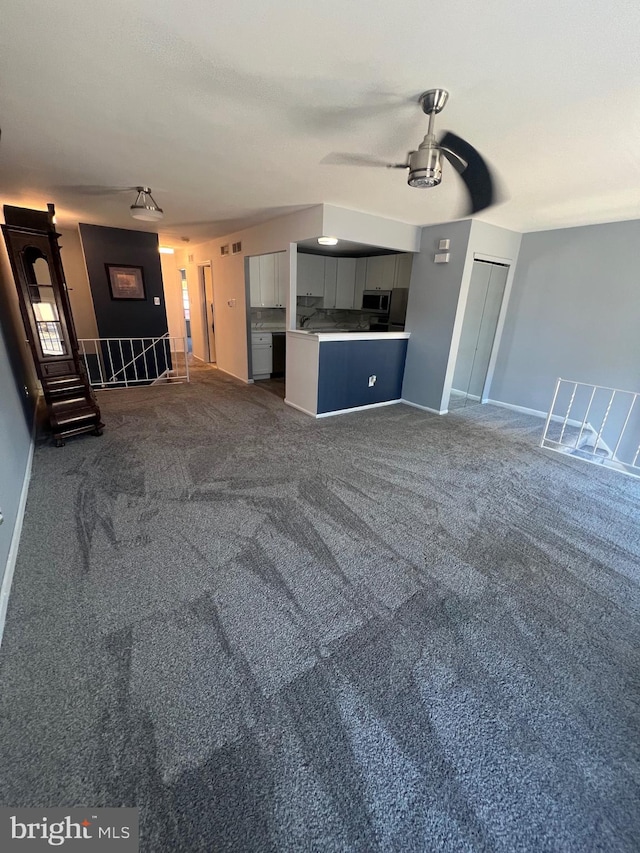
(15, 408)
(574, 312)
(431, 313)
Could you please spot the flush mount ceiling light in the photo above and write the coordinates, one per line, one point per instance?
(144, 207)
(166, 250)
(328, 241)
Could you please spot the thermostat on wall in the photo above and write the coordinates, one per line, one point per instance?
(444, 244)
(441, 258)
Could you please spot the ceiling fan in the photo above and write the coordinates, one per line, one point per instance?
(425, 163)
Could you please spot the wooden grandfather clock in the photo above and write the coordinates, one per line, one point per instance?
(32, 244)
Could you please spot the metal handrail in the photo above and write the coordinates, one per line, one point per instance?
(108, 350)
(152, 345)
(615, 405)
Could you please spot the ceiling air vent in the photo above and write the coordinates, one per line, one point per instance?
(236, 248)
(224, 250)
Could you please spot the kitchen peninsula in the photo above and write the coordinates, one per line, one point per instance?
(333, 372)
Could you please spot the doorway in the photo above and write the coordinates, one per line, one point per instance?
(186, 309)
(205, 283)
(478, 336)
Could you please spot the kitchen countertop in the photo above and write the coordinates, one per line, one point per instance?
(347, 335)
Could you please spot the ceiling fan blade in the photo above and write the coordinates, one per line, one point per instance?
(476, 175)
(97, 189)
(457, 162)
(340, 159)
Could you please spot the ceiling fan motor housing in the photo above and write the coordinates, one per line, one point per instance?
(425, 165)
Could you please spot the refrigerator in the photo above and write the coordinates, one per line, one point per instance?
(398, 309)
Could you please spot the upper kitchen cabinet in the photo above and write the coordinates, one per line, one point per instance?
(282, 279)
(361, 281)
(267, 287)
(330, 282)
(310, 275)
(402, 276)
(346, 284)
(339, 283)
(267, 280)
(255, 298)
(386, 272)
(381, 271)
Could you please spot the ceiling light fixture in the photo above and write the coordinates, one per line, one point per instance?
(145, 208)
(166, 250)
(327, 241)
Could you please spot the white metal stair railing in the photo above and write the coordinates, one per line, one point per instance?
(595, 423)
(126, 362)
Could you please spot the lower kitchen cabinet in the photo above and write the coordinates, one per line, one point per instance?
(262, 354)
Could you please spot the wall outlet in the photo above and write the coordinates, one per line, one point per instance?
(372, 380)
(156, 300)
(231, 303)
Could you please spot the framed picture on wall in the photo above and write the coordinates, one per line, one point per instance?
(126, 282)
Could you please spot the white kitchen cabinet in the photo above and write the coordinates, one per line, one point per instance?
(267, 280)
(404, 263)
(330, 282)
(361, 280)
(310, 275)
(262, 354)
(346, 283)
(267, 285)
(381, 271)
(254, 282)
(282, 279)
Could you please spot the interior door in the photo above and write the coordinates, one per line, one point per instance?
(486, 292)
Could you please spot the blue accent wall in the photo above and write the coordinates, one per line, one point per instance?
(345, 368)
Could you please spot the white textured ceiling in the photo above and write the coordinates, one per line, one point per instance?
(230, 107)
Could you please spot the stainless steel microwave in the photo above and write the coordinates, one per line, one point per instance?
(376, 301)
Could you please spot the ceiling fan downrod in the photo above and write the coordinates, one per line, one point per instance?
(425, 164)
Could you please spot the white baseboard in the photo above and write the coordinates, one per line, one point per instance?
(538, 413)
(424, 408)
(239, 378)
(357, 408)
(299, 408)
(9, 569)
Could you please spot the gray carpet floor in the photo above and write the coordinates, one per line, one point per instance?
(385, 631)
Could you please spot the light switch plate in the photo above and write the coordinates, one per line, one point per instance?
(441, 258)
(444, 244)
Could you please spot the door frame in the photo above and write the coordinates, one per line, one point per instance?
(457, 329)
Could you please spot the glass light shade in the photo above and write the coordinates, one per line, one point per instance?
(145, 207)
(146, 214)
(328, 241)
